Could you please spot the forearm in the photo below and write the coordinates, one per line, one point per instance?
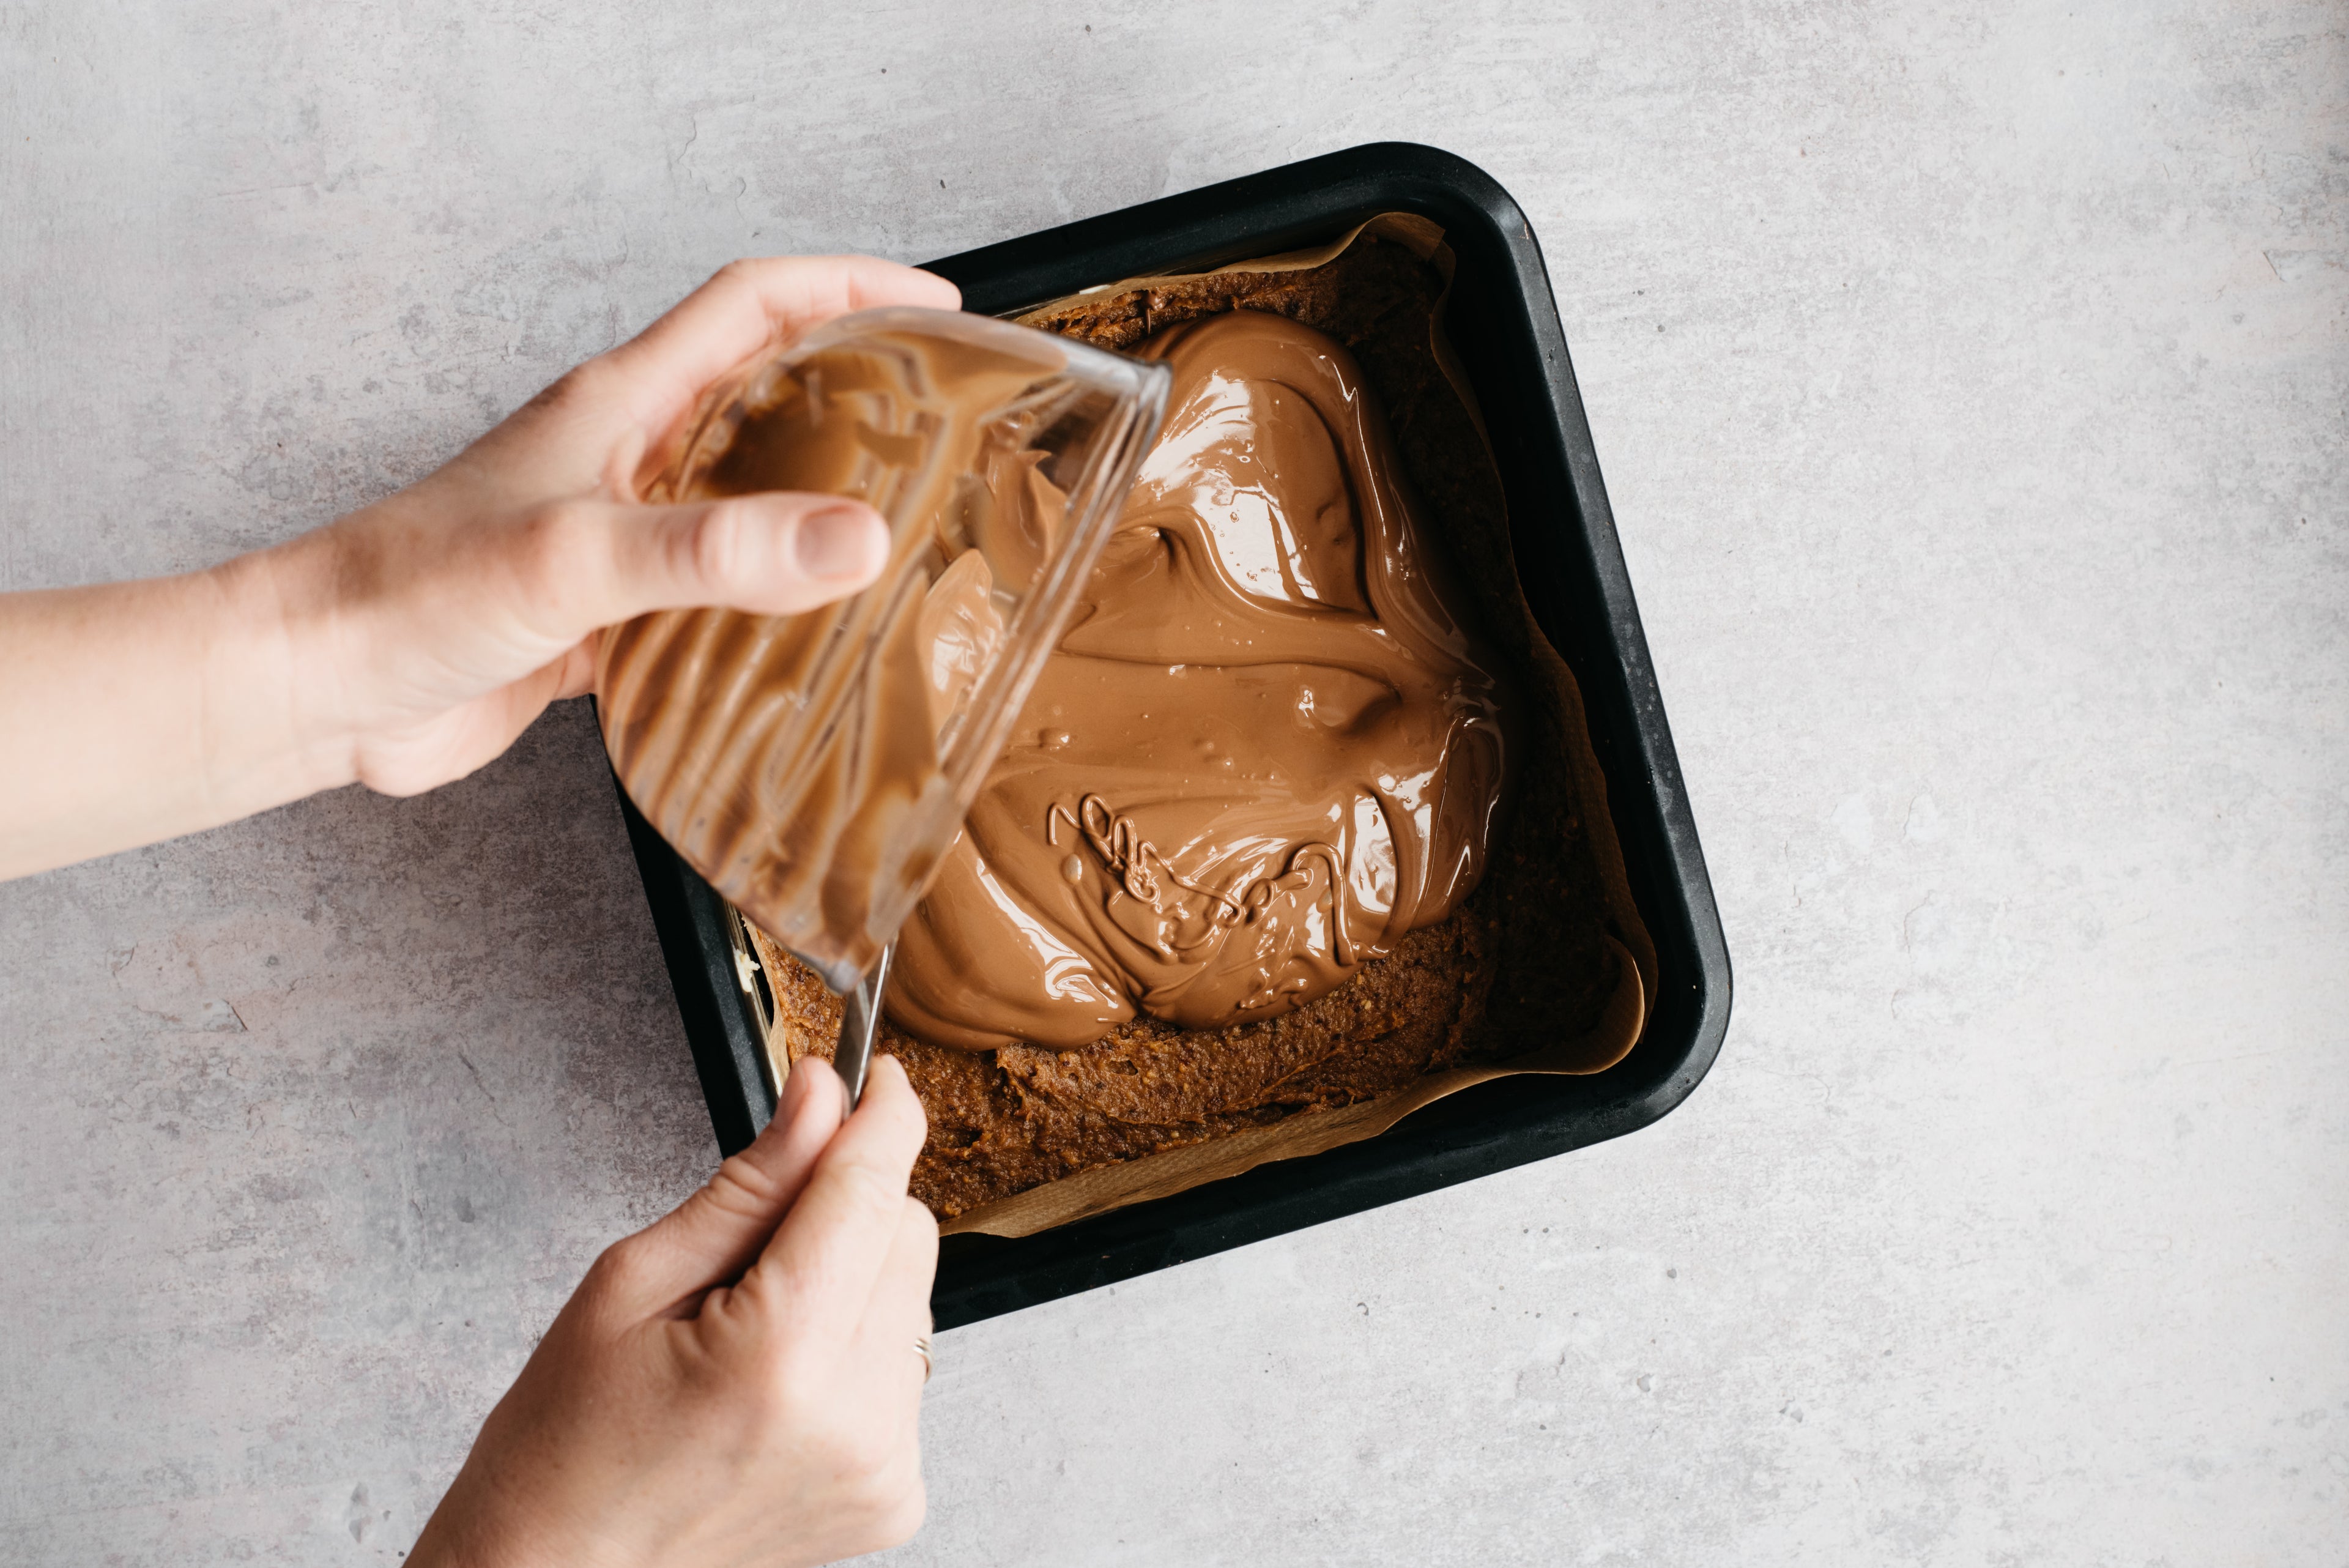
(407, 644)
(139, 712)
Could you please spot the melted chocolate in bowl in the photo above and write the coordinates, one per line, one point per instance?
(812, 767)
(1264, 752)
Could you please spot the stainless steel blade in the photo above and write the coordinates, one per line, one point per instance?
(860, 1022)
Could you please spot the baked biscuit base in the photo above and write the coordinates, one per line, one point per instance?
(1524, 962)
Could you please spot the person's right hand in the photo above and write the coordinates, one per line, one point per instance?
(735, 1386)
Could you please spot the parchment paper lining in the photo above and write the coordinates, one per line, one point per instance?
(1606, 1043)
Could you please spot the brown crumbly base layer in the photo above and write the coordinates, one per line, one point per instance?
(1523, 964)
(1004, 1121)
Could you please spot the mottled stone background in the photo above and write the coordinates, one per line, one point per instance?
(1970, 381)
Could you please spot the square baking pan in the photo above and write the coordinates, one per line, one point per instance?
(1504, 325)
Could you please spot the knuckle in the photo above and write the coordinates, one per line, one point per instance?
(742, 272)
(583, 385)
(771, 1396)
(556, 533)
(781, 1377)
(869, 1467)
(740, 1186)
(557, 552)
(618, 1268)
(712, 547)
(894, 1521)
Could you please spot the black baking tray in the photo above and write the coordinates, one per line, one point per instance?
(1503, 324)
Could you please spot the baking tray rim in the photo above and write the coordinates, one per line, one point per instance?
(1279, 209)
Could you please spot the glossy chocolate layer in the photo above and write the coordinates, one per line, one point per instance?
(1264, 752)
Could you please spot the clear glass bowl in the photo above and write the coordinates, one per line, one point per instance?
(814, 768)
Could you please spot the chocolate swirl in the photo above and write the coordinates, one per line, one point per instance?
(1265, 751)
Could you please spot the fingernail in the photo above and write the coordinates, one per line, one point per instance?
(795, 1091)
(835, 541)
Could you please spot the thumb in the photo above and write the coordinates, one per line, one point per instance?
(778, 553)
(712, 1237)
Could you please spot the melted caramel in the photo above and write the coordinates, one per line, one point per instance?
(1265, 751)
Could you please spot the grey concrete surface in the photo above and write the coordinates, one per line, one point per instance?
(1970, 382)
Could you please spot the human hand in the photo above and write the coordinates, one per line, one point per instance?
(433, 626)
(735, 1386)
(408, 643)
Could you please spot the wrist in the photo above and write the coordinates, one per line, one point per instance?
(481, 1523)
(272, 679)
(158, 705)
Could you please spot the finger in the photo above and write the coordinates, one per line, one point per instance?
(887, 1368)
(744, 308)
(819, 1271)
(592, 427)
(899, 1311)
(716, 1234)
(597, 563)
